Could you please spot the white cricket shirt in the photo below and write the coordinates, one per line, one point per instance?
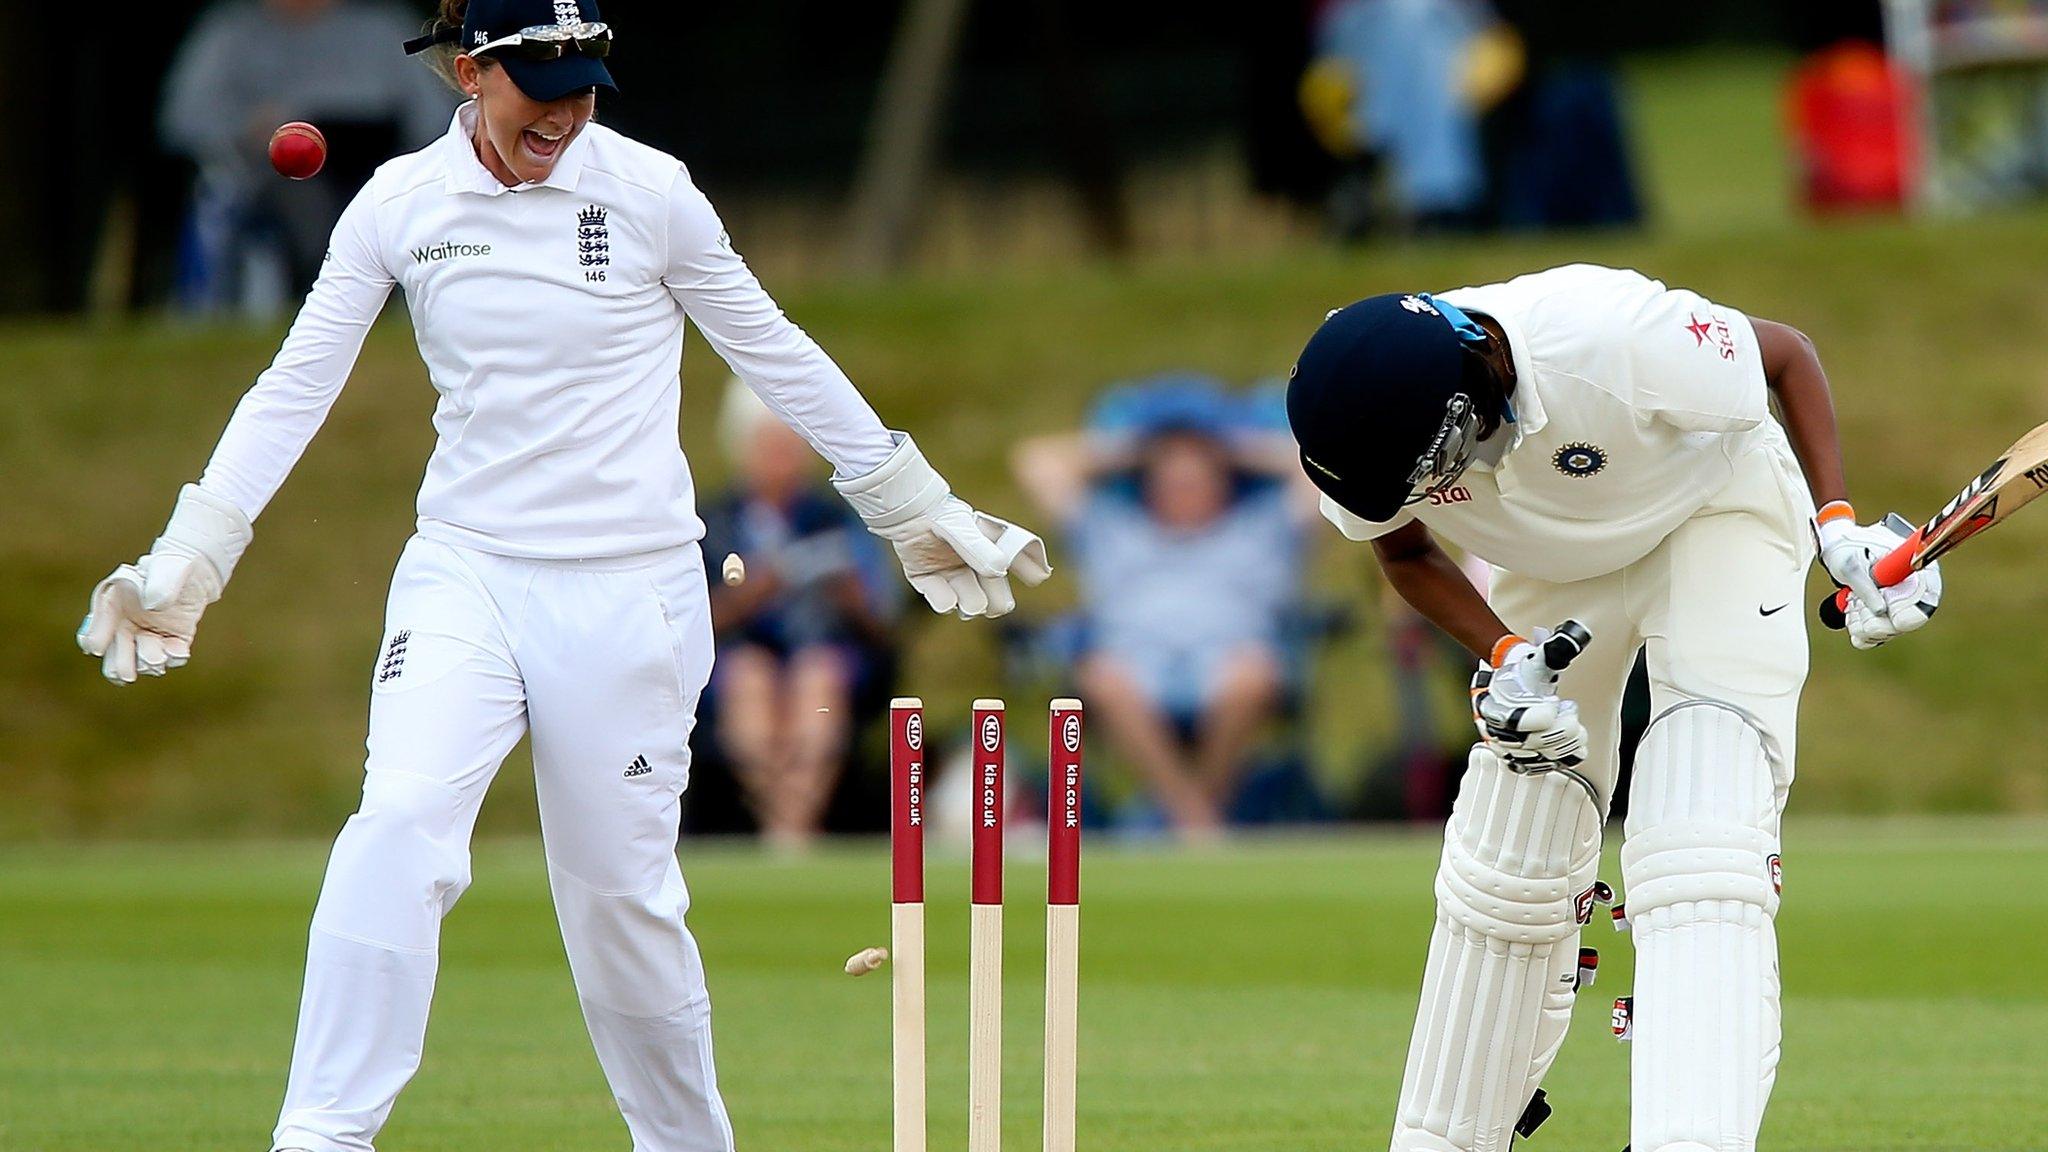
(550, 317)
(1632, 403)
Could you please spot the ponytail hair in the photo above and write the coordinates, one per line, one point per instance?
(447, 19)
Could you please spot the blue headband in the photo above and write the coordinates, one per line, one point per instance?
(1468, 330)
(1462, 324)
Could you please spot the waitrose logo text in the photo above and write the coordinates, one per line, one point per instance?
(448, 250)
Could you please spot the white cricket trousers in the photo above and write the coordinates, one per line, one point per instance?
(602, 662)
(1720, 607)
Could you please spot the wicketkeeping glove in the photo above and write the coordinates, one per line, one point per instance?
(1519, 714)
(958, 559)
(142, 617)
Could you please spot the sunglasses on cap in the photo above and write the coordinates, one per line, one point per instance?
(551, 42)
(540, 42)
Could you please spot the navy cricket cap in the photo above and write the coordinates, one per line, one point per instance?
(1369, 394)
(564, 49)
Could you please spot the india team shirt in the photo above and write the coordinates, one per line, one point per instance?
(550, 318)
(1632, 403)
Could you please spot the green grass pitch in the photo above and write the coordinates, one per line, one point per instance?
(1250, 998)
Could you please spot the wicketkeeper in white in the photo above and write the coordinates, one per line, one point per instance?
(1608, 445)
(555, 585)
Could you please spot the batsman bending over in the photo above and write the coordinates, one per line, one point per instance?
(1607, 444)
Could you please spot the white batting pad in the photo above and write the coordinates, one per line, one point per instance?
(1518, 854)
(1701, 866)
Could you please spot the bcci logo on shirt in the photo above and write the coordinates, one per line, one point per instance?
(593, 242)
(1580, 460)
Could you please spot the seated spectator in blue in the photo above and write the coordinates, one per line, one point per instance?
(1404, 60)
(1184, 519)
(813, 616)
(255, 240)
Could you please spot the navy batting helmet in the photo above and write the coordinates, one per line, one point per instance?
(1381, 400)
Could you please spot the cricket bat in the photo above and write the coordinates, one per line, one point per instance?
(2009, 484)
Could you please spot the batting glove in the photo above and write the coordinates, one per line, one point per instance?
(1519, 714)
(143, 616)
(1907, 605)
(1848, 551)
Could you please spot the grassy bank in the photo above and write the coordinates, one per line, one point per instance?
(1933, 336)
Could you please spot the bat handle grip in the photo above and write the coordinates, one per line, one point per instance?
(1563, 646)
(1891, 568)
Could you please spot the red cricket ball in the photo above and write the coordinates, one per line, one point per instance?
(298, 150)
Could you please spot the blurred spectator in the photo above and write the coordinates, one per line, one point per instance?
(1186, 530)
(1848, 110)
(799, 636)
(254, 240)
(1470, 113)
(1557, 149)
(1388, 90)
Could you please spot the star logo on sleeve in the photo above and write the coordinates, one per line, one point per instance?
(1714, 331)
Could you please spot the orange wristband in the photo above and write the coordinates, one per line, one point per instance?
(1502, 647)
(1835, 510)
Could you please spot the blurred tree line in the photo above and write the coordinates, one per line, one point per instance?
(780, 95)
